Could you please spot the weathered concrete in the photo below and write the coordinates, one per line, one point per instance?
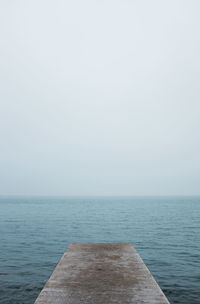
(101, 273)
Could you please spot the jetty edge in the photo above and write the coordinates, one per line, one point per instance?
(101, 273)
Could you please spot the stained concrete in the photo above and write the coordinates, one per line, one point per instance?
(101, 273)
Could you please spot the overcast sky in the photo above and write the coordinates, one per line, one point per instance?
(100, 97)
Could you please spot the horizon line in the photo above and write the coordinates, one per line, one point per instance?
(99, 195)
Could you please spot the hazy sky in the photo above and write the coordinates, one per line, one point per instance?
(100, 97)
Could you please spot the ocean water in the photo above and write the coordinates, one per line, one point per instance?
(35, 231)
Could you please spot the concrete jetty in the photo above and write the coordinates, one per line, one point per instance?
(101, 273)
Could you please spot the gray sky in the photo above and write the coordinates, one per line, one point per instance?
(100, 97)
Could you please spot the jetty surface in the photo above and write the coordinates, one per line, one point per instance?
(101, 273)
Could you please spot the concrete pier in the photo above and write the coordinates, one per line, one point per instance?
(101, 273)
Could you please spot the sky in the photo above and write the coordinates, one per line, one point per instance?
(99, 97)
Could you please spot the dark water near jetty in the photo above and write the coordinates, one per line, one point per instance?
(35, 231)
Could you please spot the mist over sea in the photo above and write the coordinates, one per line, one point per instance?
(35, 231)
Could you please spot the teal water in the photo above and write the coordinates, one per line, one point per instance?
(35, 231)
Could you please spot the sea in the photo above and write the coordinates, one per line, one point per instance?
(35, 231)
